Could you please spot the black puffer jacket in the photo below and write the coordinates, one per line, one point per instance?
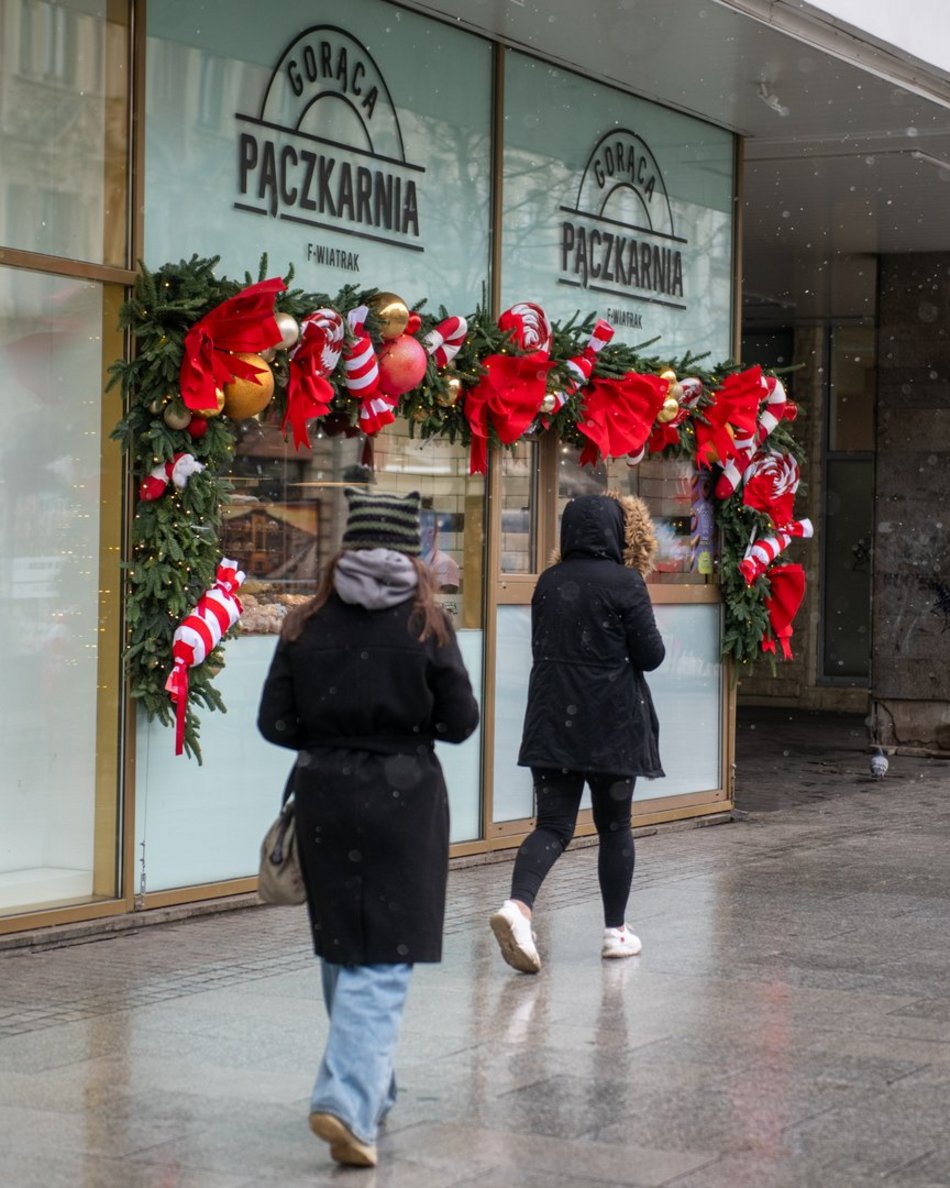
(593, 635)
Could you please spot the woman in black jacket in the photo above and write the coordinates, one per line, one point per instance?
(590, 717)
(366, 677)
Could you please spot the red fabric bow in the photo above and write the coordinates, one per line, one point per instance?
(618, 415)
(309, 394)
(245, 323)
(735, 405)
(786, 591)
(507, 397)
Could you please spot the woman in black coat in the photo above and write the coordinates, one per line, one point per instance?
(590, 717)
(366, 677)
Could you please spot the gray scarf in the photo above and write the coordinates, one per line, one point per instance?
(375, 578)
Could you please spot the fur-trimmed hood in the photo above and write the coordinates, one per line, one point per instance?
(614, 526)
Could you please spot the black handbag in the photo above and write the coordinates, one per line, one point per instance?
(280, 878)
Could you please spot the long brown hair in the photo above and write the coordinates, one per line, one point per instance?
(427, 614)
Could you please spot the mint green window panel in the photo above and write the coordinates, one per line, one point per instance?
(353, 143)
(617, 206)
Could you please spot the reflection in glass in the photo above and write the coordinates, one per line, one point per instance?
(63, 122)
(50, 578)
(519, 512)
(672, 491)
(285, 521)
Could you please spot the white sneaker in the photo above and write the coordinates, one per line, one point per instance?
(513, 932)
(620, 942)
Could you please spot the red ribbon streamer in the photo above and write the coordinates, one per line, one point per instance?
(735, 405)
(786, 591)
(618, 415)
(309, 395)
(245, 323)
(507, 397)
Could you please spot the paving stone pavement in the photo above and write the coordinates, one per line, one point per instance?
(787, 1025)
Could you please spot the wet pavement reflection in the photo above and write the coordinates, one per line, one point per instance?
(788, 1022)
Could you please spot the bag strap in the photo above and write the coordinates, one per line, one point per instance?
(288, 788)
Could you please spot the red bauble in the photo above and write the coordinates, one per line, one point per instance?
(198, 426)
(402, 365)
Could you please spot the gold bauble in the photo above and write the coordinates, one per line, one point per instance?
(675, 392)
(289, 330)
(669, 375)
(392, 314)
(216, 411)
(421, 413)
(669, 411)
(242, 397)
(549, 403)
(176, 416)
(450, 397)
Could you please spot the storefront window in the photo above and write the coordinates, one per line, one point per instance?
(353, 142)
(519, 508)
(672, 490)
(63, 128)
(616, 206)
(284, 522)
(59, 591)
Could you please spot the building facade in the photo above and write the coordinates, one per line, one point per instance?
(621, 162)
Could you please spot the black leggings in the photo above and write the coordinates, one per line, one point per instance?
(558, 797)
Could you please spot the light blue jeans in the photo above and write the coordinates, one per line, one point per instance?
(356, 1082)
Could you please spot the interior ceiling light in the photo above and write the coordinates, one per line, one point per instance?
(770, 99)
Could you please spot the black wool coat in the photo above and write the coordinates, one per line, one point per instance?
(593, 635)
(363, 701)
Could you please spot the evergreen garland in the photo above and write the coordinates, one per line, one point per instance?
(174, 539)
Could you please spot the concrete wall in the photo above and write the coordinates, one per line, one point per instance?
(794, 682)
(910, 632)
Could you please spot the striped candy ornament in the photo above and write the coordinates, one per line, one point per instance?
(529, 326)
(734, 469)
(444, 341)
(328, 323)
(376, 411)
(761, 553)
(582, 366)
(199, 634)
(775, 405)
(361, 369)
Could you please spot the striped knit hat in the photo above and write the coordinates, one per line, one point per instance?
(382, 521)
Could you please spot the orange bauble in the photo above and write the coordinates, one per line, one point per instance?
(242, 397)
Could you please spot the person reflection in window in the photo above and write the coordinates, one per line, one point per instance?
(445, 572)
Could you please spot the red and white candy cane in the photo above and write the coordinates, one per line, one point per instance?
(328, 323)
(582, 366)
(444, 341)
(529, 326)
(376, 411)
(734, 470)
(359, 359)
(199, 634)
(775, 403)
(762, 553)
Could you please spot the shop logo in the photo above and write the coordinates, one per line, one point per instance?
(620, 238)
(326, 150)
